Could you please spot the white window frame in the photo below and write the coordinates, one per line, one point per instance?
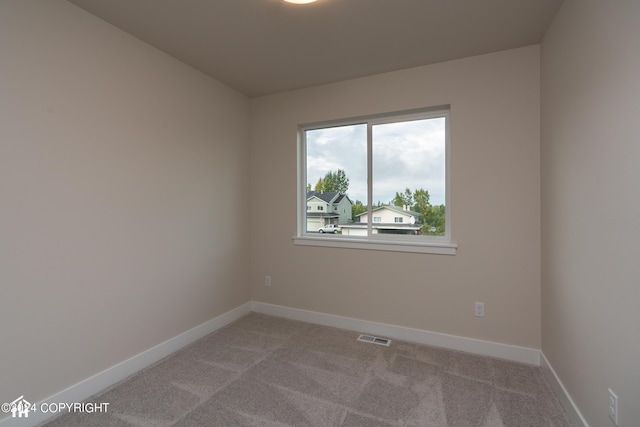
(385, 242)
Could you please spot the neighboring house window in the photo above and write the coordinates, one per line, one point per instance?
(390, 163)
(308, 207)
(320, 208)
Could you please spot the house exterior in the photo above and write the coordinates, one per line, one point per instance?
(328, 207)
(387, 219)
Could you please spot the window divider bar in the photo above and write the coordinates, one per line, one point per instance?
(369, 179)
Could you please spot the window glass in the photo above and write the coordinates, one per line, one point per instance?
(409, 171)
(385, 175)
(336, 174)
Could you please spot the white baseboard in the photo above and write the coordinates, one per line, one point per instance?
(102, 380)
(563, 395)
(470, 345)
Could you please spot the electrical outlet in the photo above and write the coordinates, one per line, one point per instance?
(479, 309)
(267, 281)
(613, 407)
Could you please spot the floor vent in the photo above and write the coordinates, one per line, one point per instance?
(374, 340)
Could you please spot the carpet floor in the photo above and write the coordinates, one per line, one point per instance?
(268, 371)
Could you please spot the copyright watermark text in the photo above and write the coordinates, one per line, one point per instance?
(21, 407)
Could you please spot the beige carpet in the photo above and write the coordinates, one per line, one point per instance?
(268, 371)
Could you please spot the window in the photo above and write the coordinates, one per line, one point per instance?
(385, 175)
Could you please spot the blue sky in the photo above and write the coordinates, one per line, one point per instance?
(405, 154)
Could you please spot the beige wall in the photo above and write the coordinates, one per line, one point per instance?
(123, 184)
(495, 200)
(591, 204)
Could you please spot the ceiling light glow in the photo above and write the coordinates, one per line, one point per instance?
(299, 1)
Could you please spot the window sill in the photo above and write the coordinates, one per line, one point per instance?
(378, 245)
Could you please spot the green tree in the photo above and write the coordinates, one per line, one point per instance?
(336, 181)
(433, 217)
(356, 209)
(333, 181)
(403, 199)
(421, 204)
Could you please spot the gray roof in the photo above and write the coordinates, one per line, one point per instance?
(395, 209)
(328, 196)
(322, 215)
(378, 226)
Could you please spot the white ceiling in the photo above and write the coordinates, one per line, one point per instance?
(260, 47)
